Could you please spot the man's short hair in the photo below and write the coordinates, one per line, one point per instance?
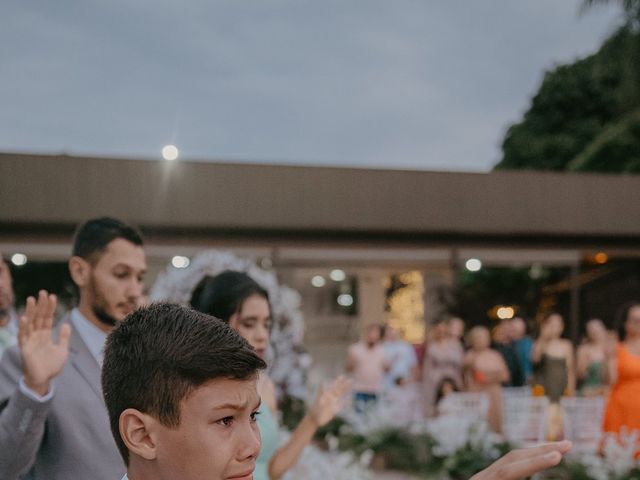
(92, 237)
(159, 354)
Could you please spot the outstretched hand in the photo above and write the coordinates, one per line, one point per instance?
(42, 358)
(524, 462)
(329, 401)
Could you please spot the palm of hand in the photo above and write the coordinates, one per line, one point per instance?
(330, 401)
(42, 358)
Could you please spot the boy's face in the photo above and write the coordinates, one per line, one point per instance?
(218, 437)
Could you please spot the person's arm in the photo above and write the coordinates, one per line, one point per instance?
(571, 369)
(537, 351)
(25, 386)
(22, 419)
(524, 462)
(326, 406)
(610, 369)
(351, 362)
(503, 375)
(467, 369)
(582, 362)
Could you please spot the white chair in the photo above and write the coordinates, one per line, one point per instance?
(465, 404)
(583, 422)
(518, 392)
(524, 419)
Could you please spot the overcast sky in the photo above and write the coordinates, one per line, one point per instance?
(415, 84)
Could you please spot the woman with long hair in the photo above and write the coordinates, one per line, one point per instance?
(590, 359)
(553, 359)
(554, 370)
(243, 304)
(444, 358)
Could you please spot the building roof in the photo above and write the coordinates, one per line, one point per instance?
(52, 193)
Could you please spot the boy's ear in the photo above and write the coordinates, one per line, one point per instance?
(138, 432)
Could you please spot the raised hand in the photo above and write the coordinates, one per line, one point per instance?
(546, 332)
(42, 357)
(329, 401)
(524, 462)
(610, 346)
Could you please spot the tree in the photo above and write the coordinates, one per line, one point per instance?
(586, 115)
(631, 9)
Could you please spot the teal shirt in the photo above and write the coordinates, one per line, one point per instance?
(270, 442)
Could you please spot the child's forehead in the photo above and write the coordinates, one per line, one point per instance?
(225, 393)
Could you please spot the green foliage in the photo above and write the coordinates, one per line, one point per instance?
(631, 9)
(615, 149)
(331, 429)
(567, 470)
(402, 450)
(395, 448)
(586, 115)
(466, 463)
(573, 469)
(293, 410)
(631, 475)
(477, 292)
(572, 107)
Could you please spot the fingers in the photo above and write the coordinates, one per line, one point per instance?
(41, 307)
(340, 386)
(26, 320)
(24, 330)
(38, 315)
(40, 312)
(65, 333)
(321, 391)
(524, 453)
(343, 385)
(50, 309)
(525, 462)
(527, 466)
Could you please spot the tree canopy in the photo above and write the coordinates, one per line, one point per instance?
(585, 115)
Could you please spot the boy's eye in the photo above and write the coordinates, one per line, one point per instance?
(254, 416)
(226, 421)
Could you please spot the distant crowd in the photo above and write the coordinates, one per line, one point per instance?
(386, 368)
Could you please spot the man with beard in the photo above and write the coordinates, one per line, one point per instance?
(8, 317)
(53, 424)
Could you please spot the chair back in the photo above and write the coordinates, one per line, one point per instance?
(524, 419)
(583, 422)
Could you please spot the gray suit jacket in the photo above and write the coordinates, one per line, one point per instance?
(66, 438)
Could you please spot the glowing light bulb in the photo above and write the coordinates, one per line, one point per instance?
(473, 265)
(170, 152)
(318, 281)
(19, 259)
(180, 261)
(337, 275)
